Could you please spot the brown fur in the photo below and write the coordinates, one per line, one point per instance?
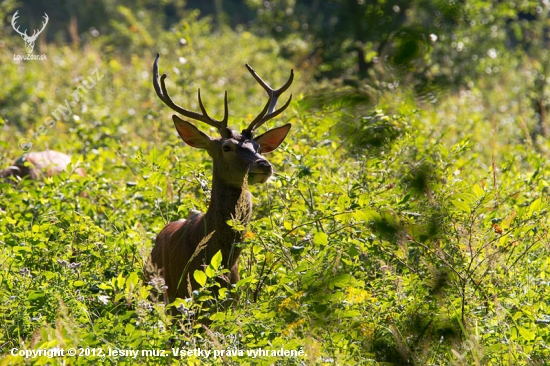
(177, 243)
(37, 165)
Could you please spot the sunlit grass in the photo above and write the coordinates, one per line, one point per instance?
(429, 246)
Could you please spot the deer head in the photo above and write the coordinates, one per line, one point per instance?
(29, 40)
(234, 154)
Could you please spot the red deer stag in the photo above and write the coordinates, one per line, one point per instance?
(37, 165)
(235, 157)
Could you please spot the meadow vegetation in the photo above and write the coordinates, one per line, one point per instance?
(399, 228)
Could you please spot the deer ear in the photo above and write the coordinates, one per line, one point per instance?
(271, 140)
(191, 134)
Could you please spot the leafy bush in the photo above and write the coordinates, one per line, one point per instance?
(395, 230)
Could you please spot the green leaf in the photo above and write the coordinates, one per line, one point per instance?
(372, 215)
(216, 260)
(360, 215)
(336, 337)
(217, 316)
(478, 191)
(343, 280)
(210, 272)
(129, 328)
(132, 280)
(235, 224)
(200, 277)
(18, 249)
(534, 206)
(405, 199)
(48, 275)
(467, 197)
(343, 202)
(320, 238)
(351, 314)
(244, 281)
(461, 205)
(120, 281)
(527, 334)
(35, 295)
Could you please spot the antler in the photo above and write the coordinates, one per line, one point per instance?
(13, 19)
(267, 113)
(34, 34)
(203, 117)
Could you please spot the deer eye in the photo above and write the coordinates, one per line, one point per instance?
(226, 148)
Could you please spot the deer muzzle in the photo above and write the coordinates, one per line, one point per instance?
(260, 171)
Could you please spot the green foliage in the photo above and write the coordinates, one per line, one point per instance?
(360, 39)
(396, 229)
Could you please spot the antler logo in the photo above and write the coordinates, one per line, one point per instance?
(29, 40)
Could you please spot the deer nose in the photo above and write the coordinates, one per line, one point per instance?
(264, 165)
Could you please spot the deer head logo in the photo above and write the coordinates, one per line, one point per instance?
(29, 40)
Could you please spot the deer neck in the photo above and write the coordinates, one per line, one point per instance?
(225, 205)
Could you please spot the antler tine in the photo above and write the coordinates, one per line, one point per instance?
(163, 95)
(267, 112)
(13, 19)
(205, 117)
(225, 110)
(36, 32)
(45, 22)
(156, 78)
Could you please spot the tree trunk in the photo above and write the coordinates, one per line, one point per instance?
(541, 110)
(219, 15)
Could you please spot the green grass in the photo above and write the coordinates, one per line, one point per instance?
(427, 243)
